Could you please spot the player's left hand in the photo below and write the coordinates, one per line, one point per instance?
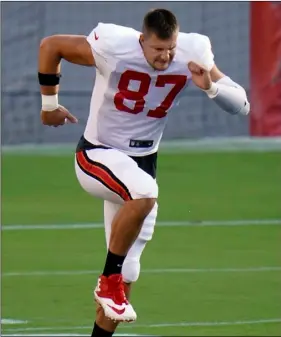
(200, 76)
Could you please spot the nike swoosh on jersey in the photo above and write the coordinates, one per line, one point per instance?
(96, 37)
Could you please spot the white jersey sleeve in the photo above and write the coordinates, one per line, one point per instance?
(196, 48)
(100, 40)
(109, 42)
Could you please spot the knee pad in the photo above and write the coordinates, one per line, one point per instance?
(131, 265)
(131, 270)
(148, 226)
(144, 186)
(149, 188)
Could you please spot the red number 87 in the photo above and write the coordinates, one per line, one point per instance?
(179, 82)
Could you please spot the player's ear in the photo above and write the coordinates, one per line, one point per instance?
(141, 37)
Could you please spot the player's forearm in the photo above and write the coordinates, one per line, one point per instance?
(49, 63)
(229, 96)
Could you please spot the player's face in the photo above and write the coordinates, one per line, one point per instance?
(159, 53)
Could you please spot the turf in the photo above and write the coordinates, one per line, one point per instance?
(182, 288)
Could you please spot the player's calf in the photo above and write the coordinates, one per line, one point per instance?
(127, 224)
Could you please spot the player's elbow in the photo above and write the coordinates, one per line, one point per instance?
(45, 42)
(245, 109)
(49, 44)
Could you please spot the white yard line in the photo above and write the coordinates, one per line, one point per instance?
(11, 321)
(145, 271)
(66, 335)
(211, 223)
(206, 144)
(156, 325)
(223, 323)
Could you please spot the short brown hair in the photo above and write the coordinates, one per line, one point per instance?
(161, 22)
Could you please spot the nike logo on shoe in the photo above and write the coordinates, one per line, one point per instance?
(118, 311)
(112, 299)
(96, 37)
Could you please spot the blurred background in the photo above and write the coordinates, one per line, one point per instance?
(245, 48)
(215, 255)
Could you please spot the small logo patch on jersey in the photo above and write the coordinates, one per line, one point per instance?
(141, 143)
(96, 37)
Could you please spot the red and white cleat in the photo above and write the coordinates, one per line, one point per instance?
(110, 294)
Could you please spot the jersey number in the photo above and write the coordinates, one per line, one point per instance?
(138, 96)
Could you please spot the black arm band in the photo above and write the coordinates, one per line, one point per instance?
(49, 79)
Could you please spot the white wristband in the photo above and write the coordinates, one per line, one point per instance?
(49, 102)
(213, 91)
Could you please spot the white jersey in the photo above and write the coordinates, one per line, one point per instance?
(131, 101)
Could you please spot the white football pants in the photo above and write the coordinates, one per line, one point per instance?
(115, 177)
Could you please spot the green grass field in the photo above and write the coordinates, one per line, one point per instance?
(196, 279)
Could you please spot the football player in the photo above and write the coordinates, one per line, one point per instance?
(139, 77)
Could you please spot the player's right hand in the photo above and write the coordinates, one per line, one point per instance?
(200, 76)
(57, 117)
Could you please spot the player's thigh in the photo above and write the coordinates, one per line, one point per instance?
(111, 175)
(95, 186)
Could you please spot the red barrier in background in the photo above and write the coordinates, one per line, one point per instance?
(265, 69)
